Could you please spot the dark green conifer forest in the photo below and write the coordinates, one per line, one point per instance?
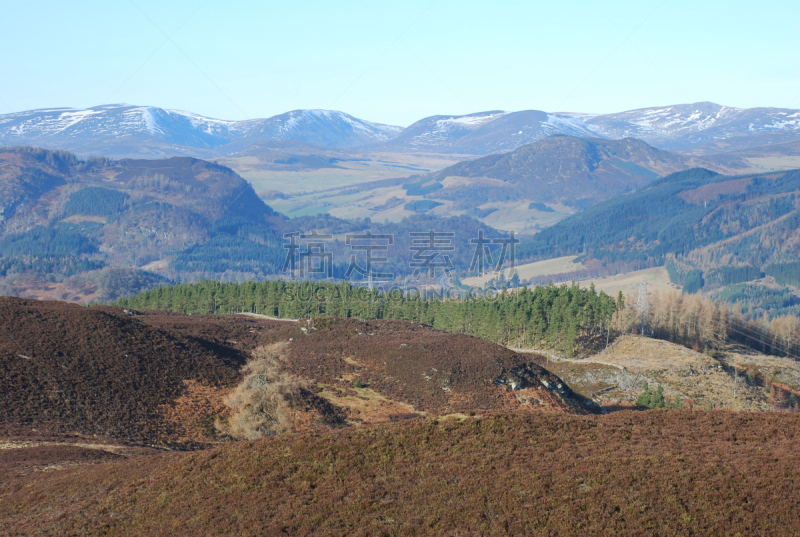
(549, 316)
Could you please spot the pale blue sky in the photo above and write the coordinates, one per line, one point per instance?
(396, 62)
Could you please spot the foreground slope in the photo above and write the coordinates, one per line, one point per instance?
(730, 377)
(69, 370)
(648, 473)
(155, 378)
(434, 372)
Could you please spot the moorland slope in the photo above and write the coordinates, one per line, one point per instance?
(642, 473)
(184, 381)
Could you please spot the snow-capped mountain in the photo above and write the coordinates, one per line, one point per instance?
(116, 130)
(125, 130)
(686, 126)
(325, 128)
(140, 131)
(698, 128)
(486, 132)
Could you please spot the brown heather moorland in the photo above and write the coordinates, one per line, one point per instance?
(657, 472)
(386, 428)
(67, 370)
(165, 379)
(434, 372)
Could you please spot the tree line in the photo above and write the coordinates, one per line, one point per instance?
(564, 318)
(785, 273)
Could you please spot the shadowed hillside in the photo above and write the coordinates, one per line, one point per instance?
(697, 215)
(101, 372)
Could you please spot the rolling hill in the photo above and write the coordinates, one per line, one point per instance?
(560, 169)
(98, 229)
(536, 185)
(713, 231)
(745, 219)
(128, 422)
(657, 472)
(72, 371)
(70, 226)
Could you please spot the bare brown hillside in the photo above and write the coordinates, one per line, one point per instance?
(627, 473)
(177, 380)
(72, 370)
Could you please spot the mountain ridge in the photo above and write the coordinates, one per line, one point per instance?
(597, 168)
(146, 131)
(681, 127)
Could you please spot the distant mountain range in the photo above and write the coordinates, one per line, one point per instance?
(485, 132)
(700, 128)
(707, 127)
(140, 131)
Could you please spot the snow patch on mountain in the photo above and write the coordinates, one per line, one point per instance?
(472, 121)
(688, 125)
(50, 122)
(557, 124)
(390, 130)
(206, 124)
(149, 120)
